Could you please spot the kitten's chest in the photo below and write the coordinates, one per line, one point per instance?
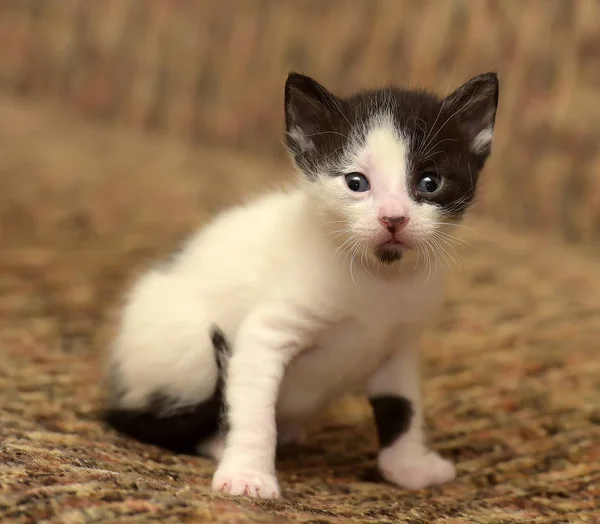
(340, 361)
(351, 349)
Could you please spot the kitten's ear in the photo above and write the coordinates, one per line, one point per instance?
(309, 109)
(474, 105)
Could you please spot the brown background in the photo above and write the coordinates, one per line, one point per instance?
(126, 123)
(212, 71)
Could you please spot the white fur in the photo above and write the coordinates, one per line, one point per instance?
(292, 281)
(483, 140)
(300, 138)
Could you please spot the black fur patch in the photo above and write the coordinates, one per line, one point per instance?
(388, 256)
(393, 415)
(179, 429)
(222, 350)
(321, 125)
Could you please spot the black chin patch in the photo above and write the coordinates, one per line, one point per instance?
(388, 256)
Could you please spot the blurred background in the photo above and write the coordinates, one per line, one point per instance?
(126, 123)
(211, 73)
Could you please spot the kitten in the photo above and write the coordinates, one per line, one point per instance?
(322, 290)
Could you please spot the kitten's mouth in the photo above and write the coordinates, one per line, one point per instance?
(394, 243)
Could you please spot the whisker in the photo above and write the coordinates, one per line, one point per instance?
(451, 117)
(426, 256)
(438, 257)
(426, 143)
(462, 226)
(338, 232)
(350, 250)
(441, 252)
(430, 259)
(418, 255)
(455, 239)
(333, 153)
(437, 144)
(362, 259)
(457, 260)
(351, 264)
(342, 113)
(327, 133)
(343, 248)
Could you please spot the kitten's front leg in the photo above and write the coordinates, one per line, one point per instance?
(266, 343)
(395, 396)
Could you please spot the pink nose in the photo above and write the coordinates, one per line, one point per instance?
(394, 223)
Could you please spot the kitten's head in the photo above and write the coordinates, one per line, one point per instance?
(391, 168)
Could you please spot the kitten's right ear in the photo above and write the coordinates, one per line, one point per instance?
(309, 109)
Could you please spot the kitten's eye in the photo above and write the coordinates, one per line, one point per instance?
(429, 183)
(357, 182)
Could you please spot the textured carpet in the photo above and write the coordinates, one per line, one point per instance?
(512, 377)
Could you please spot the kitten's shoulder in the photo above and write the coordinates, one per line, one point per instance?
(262, 208)
(261, 224)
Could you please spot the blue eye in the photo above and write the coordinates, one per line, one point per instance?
(357, 182)
(429, 183)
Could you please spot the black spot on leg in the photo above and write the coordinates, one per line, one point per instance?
(393, 415)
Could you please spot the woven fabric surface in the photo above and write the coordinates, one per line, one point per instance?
(512, 376)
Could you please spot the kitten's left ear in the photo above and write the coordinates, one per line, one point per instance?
(474, 105)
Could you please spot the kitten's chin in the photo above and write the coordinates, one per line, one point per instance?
(389, 253)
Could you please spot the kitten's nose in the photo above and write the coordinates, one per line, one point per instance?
(394, 223)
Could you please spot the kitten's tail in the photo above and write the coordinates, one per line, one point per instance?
(177, 428)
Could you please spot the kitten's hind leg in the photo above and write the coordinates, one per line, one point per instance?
(212, 448)
(163, 419)
(289, 433)
(162, 423)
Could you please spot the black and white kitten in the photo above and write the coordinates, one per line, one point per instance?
(322, 290)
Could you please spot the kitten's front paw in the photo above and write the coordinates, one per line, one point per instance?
(245, 482)
(415, 470)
